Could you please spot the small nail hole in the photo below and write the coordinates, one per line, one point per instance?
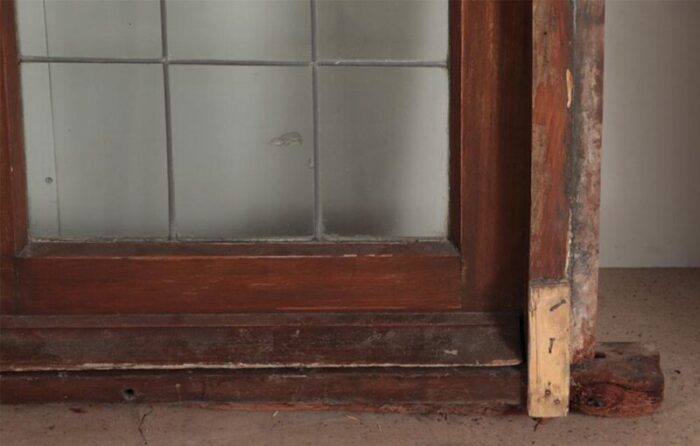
(129, 394)
(600, 355)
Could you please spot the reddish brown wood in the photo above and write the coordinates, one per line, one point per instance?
(91, 284)
(13, 206)
(623, 380)
(492, 123)
(31, 343)
(229, 250)
(584, 174)
(462, 390)
(551, 101)
(456, 36)
(566, 132)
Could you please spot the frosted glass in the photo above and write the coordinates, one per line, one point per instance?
(239, 29)
(90, 28)
(384, 151)
(32, 27)
(242, 151)
(39, 151)
(110, 147)
(383, 29)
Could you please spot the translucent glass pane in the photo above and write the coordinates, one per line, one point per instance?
(90, 28)
(39, 153)
(239, 29)
(107, 132)
(384, 151)
(383, 29)
(242, 151)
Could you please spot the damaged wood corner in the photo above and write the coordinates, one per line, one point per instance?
(548, 349)
(624, 379)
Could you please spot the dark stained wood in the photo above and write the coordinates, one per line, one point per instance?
(623, 380)
(230, 249)
(584, 173)
(484, 391)
(551, 103)
(95, 284)
(456, 57)
(13, 203)
(32, 343)
(492, 123)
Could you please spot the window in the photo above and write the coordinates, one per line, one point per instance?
(293, 120)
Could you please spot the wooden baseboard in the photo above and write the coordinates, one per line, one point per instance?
(624, 379)
(245, 341)
(466, 390)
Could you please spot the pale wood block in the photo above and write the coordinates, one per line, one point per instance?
(548, 349)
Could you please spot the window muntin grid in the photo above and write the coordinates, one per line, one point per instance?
(406, 197)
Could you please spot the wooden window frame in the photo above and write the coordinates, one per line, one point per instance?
(480, 267)
(519, 139)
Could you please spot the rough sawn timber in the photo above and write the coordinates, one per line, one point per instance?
(623, 380)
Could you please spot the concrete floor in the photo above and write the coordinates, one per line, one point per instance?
(661, 306)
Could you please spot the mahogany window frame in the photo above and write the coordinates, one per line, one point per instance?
(481, 267)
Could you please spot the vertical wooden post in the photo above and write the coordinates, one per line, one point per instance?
(584, 173)
(549, 302)
(567, 111)
(13, 203)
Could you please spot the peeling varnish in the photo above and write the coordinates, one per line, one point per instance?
(569, 88)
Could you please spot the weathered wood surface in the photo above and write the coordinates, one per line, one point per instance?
(486, 391)
(584, 173)
(551, 100)
(623, 380)
(34, 343)
(550, 218)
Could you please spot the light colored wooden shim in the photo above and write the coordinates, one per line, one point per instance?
(549, 309)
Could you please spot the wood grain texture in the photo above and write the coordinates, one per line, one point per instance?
(13, 203)
(482, 391)
(402, 280)
(491, 121)
(548, 350)
(584, 173)
(623, 380)
(35, 343)
(551, 90)
(233, 249)
(549, 302)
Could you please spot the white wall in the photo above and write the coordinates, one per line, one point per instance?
(650, 210)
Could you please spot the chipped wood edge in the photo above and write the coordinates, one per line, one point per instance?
(549, 310)
(584, 173)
